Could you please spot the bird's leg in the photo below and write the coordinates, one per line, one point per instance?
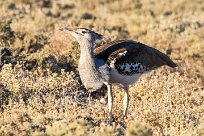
(89, 98)
(126, 101)
(110, 102)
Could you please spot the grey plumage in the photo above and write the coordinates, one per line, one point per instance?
(122, 62)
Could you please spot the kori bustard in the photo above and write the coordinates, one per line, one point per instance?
(121, 62)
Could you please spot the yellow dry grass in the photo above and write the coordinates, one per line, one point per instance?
(40, 89)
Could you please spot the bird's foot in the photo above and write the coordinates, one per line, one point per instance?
(89, 99)
(110, 119)
(124, 121)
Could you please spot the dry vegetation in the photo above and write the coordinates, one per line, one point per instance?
(40, 89)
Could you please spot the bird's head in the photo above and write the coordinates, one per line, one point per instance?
(83, 34)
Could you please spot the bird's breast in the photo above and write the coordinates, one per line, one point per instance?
(93, 74)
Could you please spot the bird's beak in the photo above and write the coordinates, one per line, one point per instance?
(67, 29)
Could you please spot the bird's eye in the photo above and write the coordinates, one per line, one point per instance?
(83, 32)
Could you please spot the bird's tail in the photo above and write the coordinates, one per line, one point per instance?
(166, 59)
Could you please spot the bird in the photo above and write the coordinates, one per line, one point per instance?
(118, 62)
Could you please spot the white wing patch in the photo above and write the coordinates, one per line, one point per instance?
(122, 53)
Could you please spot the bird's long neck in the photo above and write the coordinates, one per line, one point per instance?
(89, 74)
(86, 54)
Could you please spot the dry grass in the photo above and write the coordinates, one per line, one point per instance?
(40, 89)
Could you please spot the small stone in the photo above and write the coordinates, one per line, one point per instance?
(12, 6)
(167, 13)
(169, 51)
(103, 101)
(87, 16)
